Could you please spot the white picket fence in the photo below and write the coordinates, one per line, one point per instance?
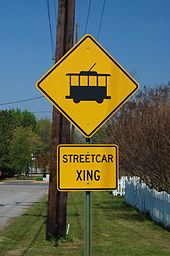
(146, 200)
(120, 191)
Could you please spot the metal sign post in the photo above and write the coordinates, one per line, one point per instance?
(87, 220)
(87, 223)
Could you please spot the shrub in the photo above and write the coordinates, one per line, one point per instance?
(39, 179)
(142, 131)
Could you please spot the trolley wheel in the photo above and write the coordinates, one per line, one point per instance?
(99, 100)
(76, 100)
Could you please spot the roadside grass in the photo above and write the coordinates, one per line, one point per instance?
(117, 230)
(22, 178)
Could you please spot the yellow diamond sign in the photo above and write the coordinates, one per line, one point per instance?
(87, 85)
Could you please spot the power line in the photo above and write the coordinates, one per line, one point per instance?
(43, 111)
(55, 10)
(101, 18)
(50, 29)
(19, 101)
(87, 16)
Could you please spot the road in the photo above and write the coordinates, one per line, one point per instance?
(16, 198)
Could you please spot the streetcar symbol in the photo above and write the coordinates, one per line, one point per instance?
(88, 92)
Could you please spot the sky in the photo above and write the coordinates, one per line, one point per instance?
(135, 32)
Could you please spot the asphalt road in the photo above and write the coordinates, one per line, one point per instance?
(16, 198)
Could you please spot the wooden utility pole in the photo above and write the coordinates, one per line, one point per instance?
(72, 126)
(57, 201)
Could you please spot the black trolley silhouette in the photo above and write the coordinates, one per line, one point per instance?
(96, 92)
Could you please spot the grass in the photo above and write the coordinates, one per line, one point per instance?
(22, 178)
(117, 230)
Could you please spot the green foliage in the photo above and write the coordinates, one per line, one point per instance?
(43, 129)
(39, 179)
(24, 118)
(20, 136)
(22, 145)
(7, 124)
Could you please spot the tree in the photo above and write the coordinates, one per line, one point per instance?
(141, 130)
(7, 124)
(24, 143)
(9, 121)
(24, 118)
(43, 129)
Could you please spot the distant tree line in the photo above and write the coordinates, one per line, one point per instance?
(141, 129)
(24, 142)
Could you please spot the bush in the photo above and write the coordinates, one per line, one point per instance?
(142, 131)
(39, 179)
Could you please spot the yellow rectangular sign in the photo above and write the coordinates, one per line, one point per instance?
(87, 167)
